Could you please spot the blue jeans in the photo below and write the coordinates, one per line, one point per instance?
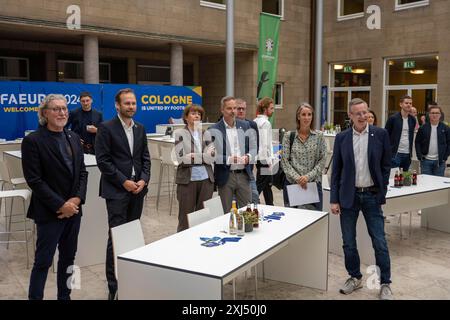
(368, 204)
(401, 160)
(312, 206)
(64, 234)
(432, 167)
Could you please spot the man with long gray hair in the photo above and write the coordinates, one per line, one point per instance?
(53, 166)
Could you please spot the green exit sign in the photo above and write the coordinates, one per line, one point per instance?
(347, 69)
(409, 64)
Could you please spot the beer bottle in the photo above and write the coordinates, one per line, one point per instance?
(400, 178)
(414, 178)
(233, 218)
(256, 213)
(396, 183)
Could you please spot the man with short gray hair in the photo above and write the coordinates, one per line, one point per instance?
(359, 180)
(53, 166)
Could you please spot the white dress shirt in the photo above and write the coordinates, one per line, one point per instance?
(130, 137)
(265, 153)
(360, 150)
(233, 142)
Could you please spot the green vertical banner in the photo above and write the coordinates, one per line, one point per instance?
(269, 27)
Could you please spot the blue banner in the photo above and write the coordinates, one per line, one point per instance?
(19, 102)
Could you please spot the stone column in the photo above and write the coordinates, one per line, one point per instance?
(50, 66)
(132, 70)
(91, 60)
(176, 64)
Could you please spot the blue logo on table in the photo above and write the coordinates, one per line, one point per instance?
(217, 241)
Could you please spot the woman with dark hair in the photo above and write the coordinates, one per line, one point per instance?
(303, 160)
(372, 118)
(195, 178)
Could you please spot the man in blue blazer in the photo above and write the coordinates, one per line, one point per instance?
(361, 168)
(124, 161)
(53, 166)
(433, 144)
(235, 148)
(85, 121)
(400, 127)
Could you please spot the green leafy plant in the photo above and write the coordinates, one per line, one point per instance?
(250, 217)
(407, 176)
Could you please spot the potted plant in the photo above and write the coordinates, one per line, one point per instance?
(249, 218)
(407, 176)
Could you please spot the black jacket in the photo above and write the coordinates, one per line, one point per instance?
(76, 124)
(115, 160)
(48, 176)
(394, 126)
(423, 141)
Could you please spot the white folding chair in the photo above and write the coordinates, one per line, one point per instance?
(215, 206)
(199, 216)
(126, 237)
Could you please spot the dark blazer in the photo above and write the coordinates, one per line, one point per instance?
(423, 141)
(115, 160)
(184, 144)
(75, 123)
(48, 175)
(394, 126)
(247, 143)
(343, 174)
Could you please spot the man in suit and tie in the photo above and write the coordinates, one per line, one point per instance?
(124, 161)
(235, 146)
(361, 168)
(53, 166)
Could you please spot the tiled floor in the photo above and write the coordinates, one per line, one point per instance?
(420, 266)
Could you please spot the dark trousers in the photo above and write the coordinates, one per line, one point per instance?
(264, 184)
(120, 211)
(190, 198)
(64, 234)
(368, 204)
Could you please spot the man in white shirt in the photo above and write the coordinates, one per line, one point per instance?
(265, 154)
(433, 144)
(400, 127)
(361, 167)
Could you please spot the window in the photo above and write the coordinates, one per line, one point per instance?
(350, 9)
(217, 4)
(279, 87)
(407, 4)
(275, 7)
(13, 68)
(148, 74)
(347, 81)
(72, 71)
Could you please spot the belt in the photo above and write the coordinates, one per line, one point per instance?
(367, 189)
(238, 171)
(133, 178)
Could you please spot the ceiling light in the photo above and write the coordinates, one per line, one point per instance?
(359, 71)
(338, 67)
(417, 71)
(437, 57)
(391, 62)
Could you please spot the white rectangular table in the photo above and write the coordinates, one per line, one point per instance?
(431, 195)
(295, 250)
(93, 235)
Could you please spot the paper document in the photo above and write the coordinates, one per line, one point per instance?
(299, 196)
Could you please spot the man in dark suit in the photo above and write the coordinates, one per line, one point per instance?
(235, 149)
(124, 161)
(433, 144)
(85, 121)
(361, 168)
(400, 127)
(53, 166)
(241, 115)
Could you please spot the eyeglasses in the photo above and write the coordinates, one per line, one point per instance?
(59, 109)
(360, 114)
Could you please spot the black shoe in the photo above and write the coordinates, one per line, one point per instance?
(112, 296)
